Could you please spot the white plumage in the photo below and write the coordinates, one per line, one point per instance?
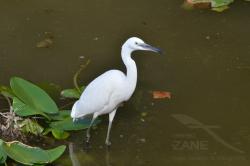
(106, 92)
(102, 94)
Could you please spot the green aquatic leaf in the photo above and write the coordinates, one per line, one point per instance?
(72, 93)
(33, 96)
(63, 114)
(219, 3)
(68, 124)
(3, 155)
(22, 109)
(220, 9)
(6, 91)
(31, 126)
(59, 134)
(52, 89)
(47, 131)
(31, 155)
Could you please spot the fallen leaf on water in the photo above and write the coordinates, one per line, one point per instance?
(45, 43)
(161, 95)
(200, 4)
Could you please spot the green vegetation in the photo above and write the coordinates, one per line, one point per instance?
(215, 5)
(31, 100)
(220, 5)
(28, 155)
(72, 93)
(33, 111)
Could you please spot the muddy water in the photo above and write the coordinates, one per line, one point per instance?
(206, 67)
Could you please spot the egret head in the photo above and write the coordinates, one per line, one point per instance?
(134, 43)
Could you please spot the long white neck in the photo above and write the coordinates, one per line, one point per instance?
(130, 66)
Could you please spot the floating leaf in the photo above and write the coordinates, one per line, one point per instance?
(220, 3)
(72, 93)
(46, 43)
(220, 9)
(64, 114)
(215, 5)
(34, 97)
(31, 126)
(161, 95)
(31, 155)
(68, 124)
(3, 155)
(59, 134)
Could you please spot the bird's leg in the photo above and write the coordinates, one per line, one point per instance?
(111, 117)
(92, 122)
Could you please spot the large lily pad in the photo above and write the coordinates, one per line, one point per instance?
(34, 97)
(31, 155)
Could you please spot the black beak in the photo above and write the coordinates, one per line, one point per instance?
(151, 48)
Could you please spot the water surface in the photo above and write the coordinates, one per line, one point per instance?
(206, 67)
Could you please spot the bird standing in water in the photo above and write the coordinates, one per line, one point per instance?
(105, 93)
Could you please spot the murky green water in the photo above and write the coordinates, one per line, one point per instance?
(206, 67)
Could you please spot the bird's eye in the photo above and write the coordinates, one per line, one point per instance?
(136, 43)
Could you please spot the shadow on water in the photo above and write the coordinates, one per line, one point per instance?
(206, 67)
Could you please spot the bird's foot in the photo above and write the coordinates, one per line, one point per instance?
(108, 143)
(87, 139)
(87, 145)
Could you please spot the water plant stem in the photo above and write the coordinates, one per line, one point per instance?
(75, 78)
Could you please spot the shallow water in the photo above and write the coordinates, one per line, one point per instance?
(206, 67)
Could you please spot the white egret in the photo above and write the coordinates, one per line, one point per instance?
(105, 93)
